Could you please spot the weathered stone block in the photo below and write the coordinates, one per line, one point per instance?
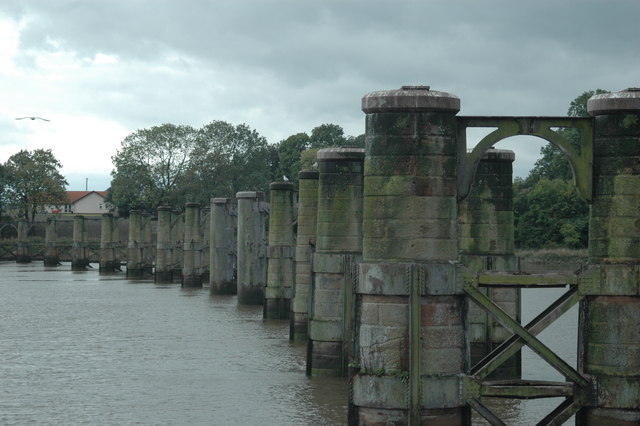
(322, 330)
(329, 263)
(441, 361)
(381, 392)
(440, 392)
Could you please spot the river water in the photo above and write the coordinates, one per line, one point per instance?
(80, 348)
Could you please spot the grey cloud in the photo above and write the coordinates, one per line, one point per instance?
(284, 66)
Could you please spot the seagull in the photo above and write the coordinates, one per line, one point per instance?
(32, 118)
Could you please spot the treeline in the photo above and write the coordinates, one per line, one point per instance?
(172, 164)
(30, 180)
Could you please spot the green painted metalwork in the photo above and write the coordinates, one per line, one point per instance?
(527, 389)
(581, 161)
(531, 341)
(560, 414)
(415, 347)
(485, 412)
(526, 280)
(512, 345)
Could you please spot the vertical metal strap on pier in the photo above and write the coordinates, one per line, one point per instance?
(350, 274)
(415, 344)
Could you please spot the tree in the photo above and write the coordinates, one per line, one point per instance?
(547, 209)
(227, 159)
(550, 215)
(289, 151)
(3, 190)
(298, 152)
(327, 136)
(149, 167)
(33, 180)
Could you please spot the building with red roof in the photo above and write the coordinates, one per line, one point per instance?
(83, 202)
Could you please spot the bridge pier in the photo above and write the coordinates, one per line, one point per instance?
(280, 270)
(51, 257)
(108, 263)
(252, 261)
(134, 248)
(79, 251)
(409, 337)
(338, 251)
(191, 266)
(147, 246)
(223, 247)
(486, 243)
(305, 243)
(610, 314)
(22, 253)
(164, 247)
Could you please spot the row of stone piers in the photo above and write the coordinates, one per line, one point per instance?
(405, 281)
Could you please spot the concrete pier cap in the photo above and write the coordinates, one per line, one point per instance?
(499, 155)
(219, 200)
(281, 186)
(255, 195)
(342, 153)
(618, 102)
(308, 174)
(410, 99)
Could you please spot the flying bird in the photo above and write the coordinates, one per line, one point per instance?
(32, 118)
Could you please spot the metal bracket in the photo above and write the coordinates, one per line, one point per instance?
(581, 162)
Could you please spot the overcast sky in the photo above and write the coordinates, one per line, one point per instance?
(101, 69)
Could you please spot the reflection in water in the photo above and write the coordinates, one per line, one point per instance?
(84, 348)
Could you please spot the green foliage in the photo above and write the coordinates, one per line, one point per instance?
(553, 164)
(308, 159)
(227, 159)
(547, 209)
(172, 165)
(149, 167)
(298, 152)
(549, 214)
(289, 151)
(33, 180)
(3, 190)
(327, 136)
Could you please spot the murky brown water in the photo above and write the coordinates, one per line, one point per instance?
(79, 348)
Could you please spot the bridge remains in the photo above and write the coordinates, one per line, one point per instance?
(405, 274)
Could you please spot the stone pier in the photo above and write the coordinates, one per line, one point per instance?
(610, 313)
(177, 237)
(410, 349)
(51, 256)
(79, 249)
(280, 253)
(22, 254)
(147, 246)
(191, 265)
(108, 247)
(164, 247)
(205, 240)
(134, 248)
(486, 243)
(338, 251)
(252, 249)
(305, 246)
(223, 246)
